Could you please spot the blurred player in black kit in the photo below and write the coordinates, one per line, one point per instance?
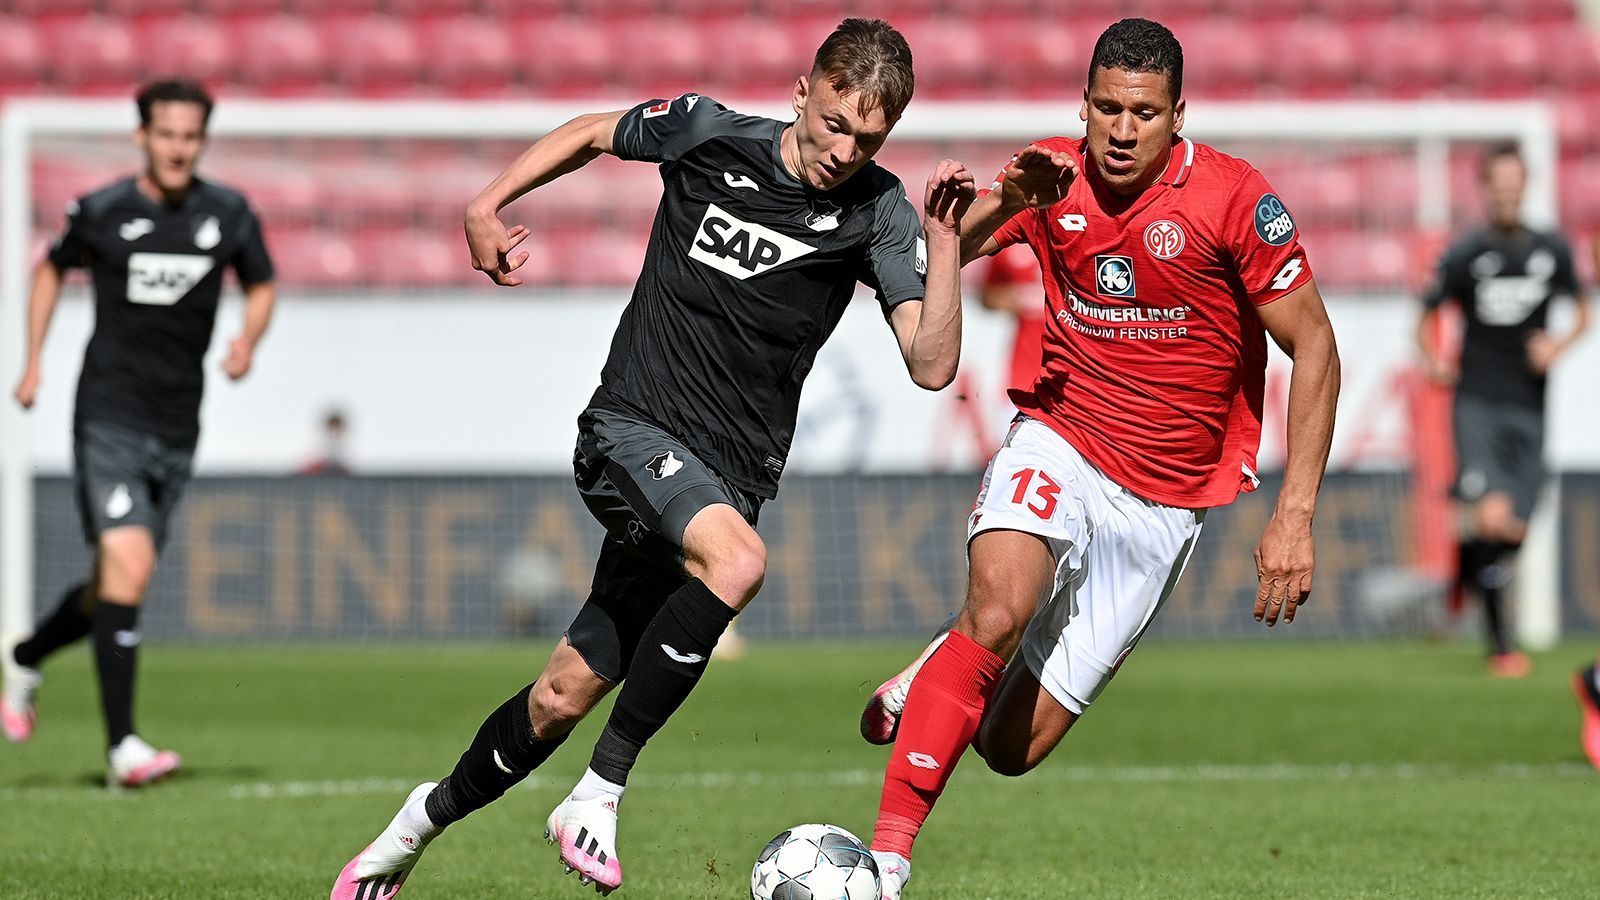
(155, 245)
(1504, 277)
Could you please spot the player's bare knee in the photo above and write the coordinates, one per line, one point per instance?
(993, 624)
(558, 703)
(737, 574)
(125, 572)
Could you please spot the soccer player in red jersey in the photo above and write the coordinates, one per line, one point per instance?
(1165, 265)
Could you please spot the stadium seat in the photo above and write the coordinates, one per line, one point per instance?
(91, 54)
(564, 57)
(22, 56)
(949, 57)
(137, 9)
(1313, 58)
(1042, 57)
(658, 56)
(1497, 59)
(1406, 59)
(754, 57)
(193, 47)
(468, 56)
(279, 54)
(313, 257)
(373, 54)
(1580, 193)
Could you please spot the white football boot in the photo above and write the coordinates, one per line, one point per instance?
(379, 871)
(880, 721)
(894, 871)
(17, 712)
(586, 833)
(134, 763)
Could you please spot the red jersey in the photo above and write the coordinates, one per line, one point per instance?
(1154, 355)
(1016, 266)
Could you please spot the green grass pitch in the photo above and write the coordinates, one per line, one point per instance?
(1302, 769)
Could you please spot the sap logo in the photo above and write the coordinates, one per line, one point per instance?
(135, 229)
(1273, 222)
(922, 257)
(1073, 222)
(162, 279)
(742, 249)
(1114, 276)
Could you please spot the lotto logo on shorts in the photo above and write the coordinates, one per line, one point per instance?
(1113, 276)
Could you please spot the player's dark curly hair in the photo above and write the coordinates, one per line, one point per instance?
(869, 58)
(173, 90)
(1140, 45)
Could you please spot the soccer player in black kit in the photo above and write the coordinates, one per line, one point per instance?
(763, 231)
(1504, 276)
(155, 245)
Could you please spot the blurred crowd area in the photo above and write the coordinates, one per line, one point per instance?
(380, 215)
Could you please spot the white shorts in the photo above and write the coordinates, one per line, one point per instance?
(1118, 557)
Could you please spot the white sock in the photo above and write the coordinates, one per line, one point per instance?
(415, 817)
(591, 786)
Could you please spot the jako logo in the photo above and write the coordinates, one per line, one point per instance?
(1273, 223)
(739, 248)
(922, 760)
(162, 279)
(1114, 275)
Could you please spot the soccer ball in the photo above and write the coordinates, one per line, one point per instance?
(815, 862)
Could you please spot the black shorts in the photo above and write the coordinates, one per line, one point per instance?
(644, 486)
(127, 477)
(1499, 449)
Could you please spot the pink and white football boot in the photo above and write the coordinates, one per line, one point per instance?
(379, 871)
(134, 763)
(585, 831)
(894, 871)
(880, 721)
(17, 712)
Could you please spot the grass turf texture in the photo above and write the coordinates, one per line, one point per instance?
(1206, 770)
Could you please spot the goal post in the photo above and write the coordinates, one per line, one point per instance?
(1426, 134)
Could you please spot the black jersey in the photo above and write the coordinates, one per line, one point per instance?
(157, 274)
(747, 273)
(1504, 282)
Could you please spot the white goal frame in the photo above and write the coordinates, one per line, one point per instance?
(1429, 126)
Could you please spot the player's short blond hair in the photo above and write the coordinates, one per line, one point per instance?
(868, 58)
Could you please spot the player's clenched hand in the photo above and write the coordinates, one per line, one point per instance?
(1542, 351)
(27, 387)
(1285, 559)
(951, 190)
(491, 244)
(1038, 177)
(240, 356)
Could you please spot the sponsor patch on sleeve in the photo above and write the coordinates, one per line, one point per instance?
(660, 109)
(1273, 222)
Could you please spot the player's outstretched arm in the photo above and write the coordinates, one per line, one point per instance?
(564, 150)
(1286, 557)
(1035, 177)
(929, 331)
(259, 300)
(41, 308)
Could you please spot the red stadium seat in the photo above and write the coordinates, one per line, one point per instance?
(229, 9)
(436, 10)
(754, 57)
(190, 46)
(949, 57)
(1220, 60)
(1406, 59)
(34, 9)
(373, 54)
(22, 56)
(313, 257)
(95, 53)
(657, 56)
(1040, 56)
(1580, 193)
(131, 9)
(412, 257)
(564, 57)
(1316, 58)
(1498, 59)
(468, 55)
(278, 54)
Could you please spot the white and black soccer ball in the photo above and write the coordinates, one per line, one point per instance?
(815, 862)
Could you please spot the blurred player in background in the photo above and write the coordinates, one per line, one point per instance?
(763, 231)
(1166, 264)
(1011, 285)
(155, 245)
(1503, 276)
(1586, 681)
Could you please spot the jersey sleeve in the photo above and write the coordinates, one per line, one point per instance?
(662, 131)
(897, 257)
(1260, 235)
(252, 263)
(71, 248)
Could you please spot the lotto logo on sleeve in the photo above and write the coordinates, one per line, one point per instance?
(1273, 223)
(1113, 276)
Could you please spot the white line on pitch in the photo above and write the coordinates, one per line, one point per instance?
(288, 790)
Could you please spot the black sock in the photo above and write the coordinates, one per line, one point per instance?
(504, 742)
(672, 655)
(1486, 569)
(116, 651)
(70, 622)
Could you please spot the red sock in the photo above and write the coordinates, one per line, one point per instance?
(941, 716)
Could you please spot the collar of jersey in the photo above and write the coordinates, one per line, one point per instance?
(1180, 163)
